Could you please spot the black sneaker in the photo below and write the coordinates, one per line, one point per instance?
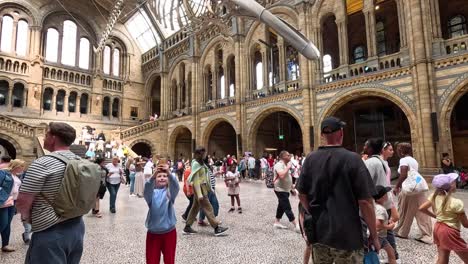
(112, 210)
(219, 231)
(188, 231)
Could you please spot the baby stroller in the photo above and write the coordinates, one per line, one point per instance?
(269, 178)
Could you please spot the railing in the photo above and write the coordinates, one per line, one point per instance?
(358, 69)
(456, 45)
(19, 127)
(174, 39)
(279, 88)
(14, 65)
(150, 54)
(218, 103)
(112, 85)
(138, 130)
(66, 75)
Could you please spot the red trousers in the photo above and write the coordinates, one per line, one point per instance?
(161, 243)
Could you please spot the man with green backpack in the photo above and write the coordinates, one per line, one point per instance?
(57, 190)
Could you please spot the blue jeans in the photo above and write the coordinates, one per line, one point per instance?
(6, 215)
(214, 203)
(132, 182)
(59, 244)
(113, 189)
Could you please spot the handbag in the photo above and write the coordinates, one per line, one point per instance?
(414, 183)
(8, 203)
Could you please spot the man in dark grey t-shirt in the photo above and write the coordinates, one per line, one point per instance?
(334, 187)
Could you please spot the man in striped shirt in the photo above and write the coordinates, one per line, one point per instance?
(53, 240)
(211, 196)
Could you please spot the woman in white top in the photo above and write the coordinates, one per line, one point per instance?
(408, 204)
(114, 178)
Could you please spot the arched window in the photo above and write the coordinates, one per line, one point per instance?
(232, 76)
(456, 26)
(107, 60)
(84, 54)
(327, 63)
(47, 99)
(105, 106)
(3, 92)
(115, 107)
(60, 101)
(259, 75)
(18, 93)
(52, 45)
(84, 104)
(359, 54)
(7, 34)
(69, 43)
(72, 102)
(116, 63)
(292, 63)
(380, 37)
(22, 38)
(222, 87)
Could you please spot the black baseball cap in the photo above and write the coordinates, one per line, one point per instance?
(381, 191)
(331, 124)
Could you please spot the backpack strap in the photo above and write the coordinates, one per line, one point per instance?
(383, 165)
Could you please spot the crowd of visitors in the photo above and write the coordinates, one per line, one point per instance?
(348, 207)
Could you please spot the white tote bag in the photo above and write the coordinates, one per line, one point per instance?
(414, 183)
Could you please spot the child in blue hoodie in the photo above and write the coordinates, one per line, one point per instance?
(160, 193)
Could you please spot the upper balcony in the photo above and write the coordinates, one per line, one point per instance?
(14, 65)
(65, 75)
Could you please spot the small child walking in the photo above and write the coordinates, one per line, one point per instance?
(232, 181)
(450, 215)
(383, 223)
(160, 192)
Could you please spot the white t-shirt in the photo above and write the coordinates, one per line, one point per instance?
(410, 162)
(148, 167)
(115, 171)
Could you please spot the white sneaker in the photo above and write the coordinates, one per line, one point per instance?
(297, 229)
(280, 226)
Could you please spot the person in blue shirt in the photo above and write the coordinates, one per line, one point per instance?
(160, 193)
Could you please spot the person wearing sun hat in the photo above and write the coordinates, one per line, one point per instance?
(450, 215)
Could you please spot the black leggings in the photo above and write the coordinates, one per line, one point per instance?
(284, 207)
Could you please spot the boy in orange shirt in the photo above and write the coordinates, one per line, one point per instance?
(188, 190)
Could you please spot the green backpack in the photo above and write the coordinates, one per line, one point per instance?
(79, 188)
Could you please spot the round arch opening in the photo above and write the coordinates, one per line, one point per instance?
(278, 131)
(222, 140)
(7, 149)
(142, 149)
(459, 132)
(373, 117)
(183, 145)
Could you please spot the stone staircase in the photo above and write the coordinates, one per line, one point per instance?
(19, 128)
(138, 130)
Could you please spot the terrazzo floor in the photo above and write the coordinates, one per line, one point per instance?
(120, 238)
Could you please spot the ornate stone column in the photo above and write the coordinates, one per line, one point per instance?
(369, 15)
(282, 60)
(343, 41)
(10, 97)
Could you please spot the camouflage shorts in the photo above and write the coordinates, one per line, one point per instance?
(326, 255)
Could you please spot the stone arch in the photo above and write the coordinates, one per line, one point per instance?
(173, 138)
(144, 141)
(175, 63)
(322, 8)
(91, 24)
(291, 14)
(256, 120)
(124, 41)
(13, 145)
(25, 7)
(212, 123)
(399, 99)
(447, 103)
(219, 40)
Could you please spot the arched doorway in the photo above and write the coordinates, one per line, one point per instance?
(183, 144)
(373, 117)
(278, 131)
(142, 149)
(156, 96)
(7, 149)
(222, 140)
(459, 130)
